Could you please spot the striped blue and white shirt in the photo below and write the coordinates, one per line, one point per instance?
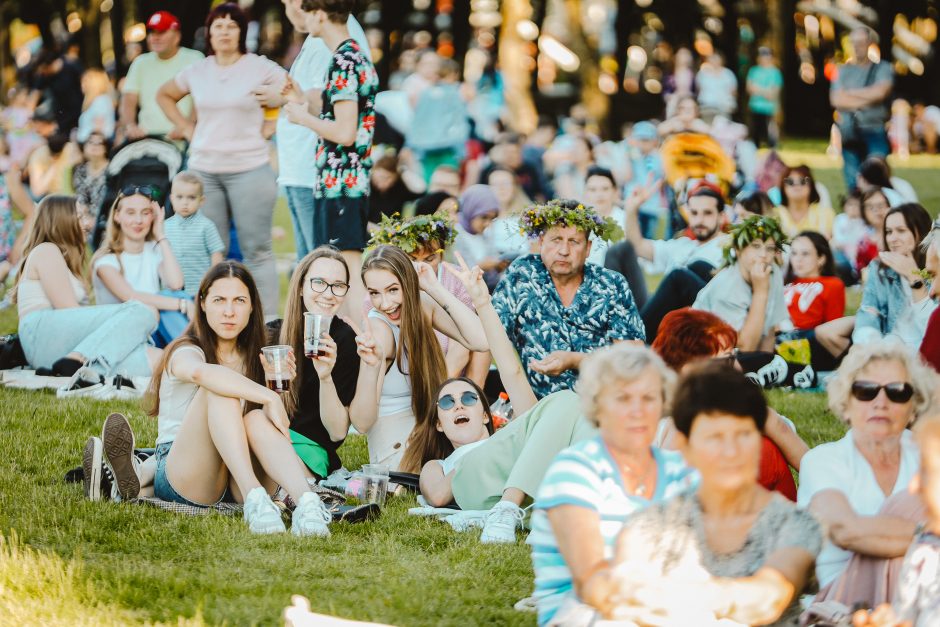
(586, 475)
(193, 239)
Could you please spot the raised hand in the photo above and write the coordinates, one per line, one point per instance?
(366, 346)
(901, 263)
(760, 275)
(158, 218)
(427, 278)
(325, 363)
(472, 279)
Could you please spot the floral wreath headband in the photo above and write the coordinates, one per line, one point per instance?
(418, 232)
(754, 228)
(537, 219)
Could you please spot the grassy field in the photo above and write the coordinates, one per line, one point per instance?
(64, 560)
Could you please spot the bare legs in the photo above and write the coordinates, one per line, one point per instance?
(352, 307)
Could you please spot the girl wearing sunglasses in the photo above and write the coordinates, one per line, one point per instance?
(329, 387)
(136, 262)
(801, 208)
(858, 486)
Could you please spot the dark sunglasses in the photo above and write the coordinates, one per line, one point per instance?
(804, 180)
(319, 286)
(897, 392)
(727, 360)
(149, 191)
(467, 399)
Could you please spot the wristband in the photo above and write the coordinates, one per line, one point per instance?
(182, 305)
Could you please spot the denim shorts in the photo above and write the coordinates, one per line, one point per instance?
(166, 492)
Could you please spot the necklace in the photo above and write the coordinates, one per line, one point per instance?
(640, 488)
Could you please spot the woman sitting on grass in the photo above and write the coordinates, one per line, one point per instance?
(329, 387)
(136, 262)
(93, 345)
(221, 433)
(408, 304)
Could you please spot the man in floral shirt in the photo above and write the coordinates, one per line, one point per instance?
(557, 308)
(345, 126)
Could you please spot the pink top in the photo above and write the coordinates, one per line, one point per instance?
(229, 119)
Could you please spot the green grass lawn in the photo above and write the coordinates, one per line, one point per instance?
(65, 560)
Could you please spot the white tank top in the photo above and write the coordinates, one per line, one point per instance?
(396, 388)
(175, 397)
(30, 295)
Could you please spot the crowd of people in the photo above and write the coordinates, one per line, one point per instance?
(455, 257)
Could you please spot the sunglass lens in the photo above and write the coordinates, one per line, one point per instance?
(899, 392)
(446, 402)
(865, 391)
(467, 399)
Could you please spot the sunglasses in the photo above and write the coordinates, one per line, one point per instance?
(897, 392)
(727, 360)
(467, 399)
(319, 286)
(149, 191)
(798, 181)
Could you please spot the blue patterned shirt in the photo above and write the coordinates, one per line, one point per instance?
(602, 312)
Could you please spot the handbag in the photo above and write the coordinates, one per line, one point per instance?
(11, 352)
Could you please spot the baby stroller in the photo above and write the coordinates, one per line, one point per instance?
(151, 161)
(688, 158)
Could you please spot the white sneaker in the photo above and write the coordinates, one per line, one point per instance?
(311, 517)
(261, 514)
(500, 523)
(119, 388)
(85, 382)
(91, 468)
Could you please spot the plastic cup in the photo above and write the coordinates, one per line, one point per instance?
(316, 326)
(374, 484)
(276, 374)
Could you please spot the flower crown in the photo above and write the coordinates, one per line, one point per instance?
(418, 232)
(753, 228)
(536, 219)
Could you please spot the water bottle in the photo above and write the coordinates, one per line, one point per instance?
(501, 410)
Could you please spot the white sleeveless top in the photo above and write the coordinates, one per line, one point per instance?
(175, 397)
(30, 295)
(396, 388)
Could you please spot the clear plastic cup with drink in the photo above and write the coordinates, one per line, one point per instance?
(277, 373)
(374, 484)
(316, 327)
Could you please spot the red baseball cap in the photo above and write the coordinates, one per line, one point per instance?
(162, 21)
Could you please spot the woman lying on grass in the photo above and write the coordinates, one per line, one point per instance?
(221, 433)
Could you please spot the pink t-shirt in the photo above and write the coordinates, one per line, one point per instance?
(229, 119)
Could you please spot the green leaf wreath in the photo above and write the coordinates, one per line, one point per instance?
(415, 233)
(538, 218)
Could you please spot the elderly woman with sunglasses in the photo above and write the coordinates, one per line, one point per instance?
(879, 391)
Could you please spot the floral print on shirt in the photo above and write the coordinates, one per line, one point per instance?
(603, 311)
(344, 170)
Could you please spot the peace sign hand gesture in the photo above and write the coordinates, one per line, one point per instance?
(472, 279)
(366, 346)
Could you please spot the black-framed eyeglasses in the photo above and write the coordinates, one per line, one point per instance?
(897, 392)
(149, 191)
(727, 360)
(319, 286)
(803, 180)
(467, 399)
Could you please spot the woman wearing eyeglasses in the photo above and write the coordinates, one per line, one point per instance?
(879, 391)
(327, 387)
(136, 262)
(800, 207)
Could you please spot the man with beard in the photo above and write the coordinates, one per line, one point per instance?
(687, 262)
(557, 308)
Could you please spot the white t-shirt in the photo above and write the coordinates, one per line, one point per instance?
(839, 465)
(669, 254)
(729, 297)
(599, 246)
(297, 144)
(140, 270)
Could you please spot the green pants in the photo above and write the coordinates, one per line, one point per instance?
(519, 454)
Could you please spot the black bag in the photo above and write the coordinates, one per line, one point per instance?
(11, 352)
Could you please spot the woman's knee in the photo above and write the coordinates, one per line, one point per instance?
(144, 312)
(256, 423)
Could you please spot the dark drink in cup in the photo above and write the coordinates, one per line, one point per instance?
(278, 384)
(312, 352)
(316, 327)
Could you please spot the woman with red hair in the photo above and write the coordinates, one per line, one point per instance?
(689, 336)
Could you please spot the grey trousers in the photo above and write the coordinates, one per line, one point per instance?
(247, 198)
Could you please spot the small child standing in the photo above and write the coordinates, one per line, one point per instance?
(193, 236)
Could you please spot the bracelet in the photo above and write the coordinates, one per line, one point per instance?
(182, 305)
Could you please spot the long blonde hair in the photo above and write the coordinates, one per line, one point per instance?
(95, 83)
(292, 329)
(426, 365)
(56, 222)
(113, 241)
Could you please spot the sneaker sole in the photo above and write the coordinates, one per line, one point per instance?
(118, 439)
(91, 469)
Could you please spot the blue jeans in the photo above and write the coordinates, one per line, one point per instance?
(172, 323)
(870, 144)
(300, 203)
(116, 336)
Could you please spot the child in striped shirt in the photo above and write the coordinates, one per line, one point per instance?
(194, 238)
